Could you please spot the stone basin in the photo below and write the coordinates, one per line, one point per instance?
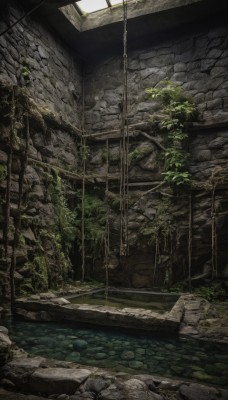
(135, 319)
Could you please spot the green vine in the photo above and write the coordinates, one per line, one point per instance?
(3, 172)
(25, 73)
(138, 154)
(63, 232)
(65, 219)
(95, 221)
(162, 225)
(177, 111)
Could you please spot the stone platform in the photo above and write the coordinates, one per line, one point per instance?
(135, 319)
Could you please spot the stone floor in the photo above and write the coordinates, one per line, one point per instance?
(61, 380)
(206, 321)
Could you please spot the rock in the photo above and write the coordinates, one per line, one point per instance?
(202, 155)
(25, 364)
(199, 392)
(202, 376)
(217, 143)
(74, 356)
(148, 380)
(57, 380)
(18, 277)
(169, 384)
(43, 53)
(136, 364)
(6, 383)
(3, 329)
(4, 339)
(5, 395)
(80, 344)
(47, 295)
(60, 300)
(5, 346)
(35, 297)
(137, 389)
(100, 356)
(127, 355)
(112, 393)
(29, 235)
(95, 385)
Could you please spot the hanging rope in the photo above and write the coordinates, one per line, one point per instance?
(190, 244)
(124, 145)
(213, 235)
(83, 155)
(107, 241)
(24, 162)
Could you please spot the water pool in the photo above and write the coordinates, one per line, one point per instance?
(159, 302)
(199, 361)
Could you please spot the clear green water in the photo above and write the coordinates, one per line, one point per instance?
(120, 299)
(199, 361)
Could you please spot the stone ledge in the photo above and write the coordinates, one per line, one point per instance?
(128, 318)
(50, 377)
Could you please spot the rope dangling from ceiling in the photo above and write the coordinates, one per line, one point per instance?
(124, 145)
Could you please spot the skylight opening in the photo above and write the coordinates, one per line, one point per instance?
(89, 6)
(115, 2)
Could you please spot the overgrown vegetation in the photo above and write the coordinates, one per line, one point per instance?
(162, 225)
(3, 172)
(65, 219)
(138, 154)
(95, 221)
(65, 224)
(211, 293)
(177, 110)
(25, 73)
(159, 232)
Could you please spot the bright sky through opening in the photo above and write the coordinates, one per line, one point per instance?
(88, 6)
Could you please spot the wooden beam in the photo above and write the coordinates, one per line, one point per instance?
(53, 3)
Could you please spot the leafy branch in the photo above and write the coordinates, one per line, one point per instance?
(177, 111)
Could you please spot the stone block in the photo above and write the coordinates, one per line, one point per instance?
(214, 104)
(219, 71)
(207, 64)
(43, 53)
(217, 143)
(57, 380)
(180, 67)
(194, 391)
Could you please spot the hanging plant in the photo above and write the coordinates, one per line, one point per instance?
(177, 111)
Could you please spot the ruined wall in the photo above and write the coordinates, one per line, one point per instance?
(40, 87)
(40, 111)
(198, 62)
(32, 54)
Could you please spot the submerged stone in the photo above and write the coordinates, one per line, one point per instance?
(127, 355)
(100, 356)
(202, 376)
(74, 356)
(80, 344)
(136, 364)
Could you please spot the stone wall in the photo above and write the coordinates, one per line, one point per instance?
(41, 88)
(198, 62)
(54, 72)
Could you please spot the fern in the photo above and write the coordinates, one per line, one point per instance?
(178, 110)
